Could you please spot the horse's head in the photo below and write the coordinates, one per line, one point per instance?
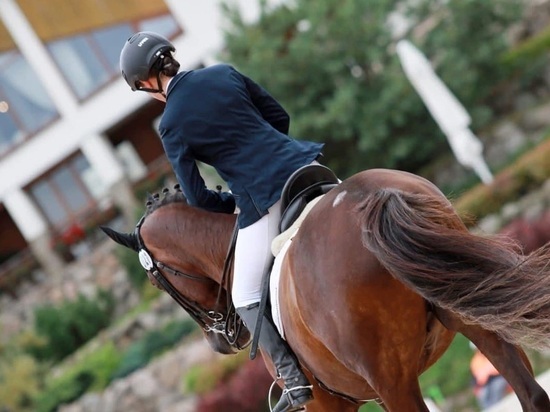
(180, 255)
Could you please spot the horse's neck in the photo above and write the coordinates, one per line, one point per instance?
(201, 239)
(213, 242)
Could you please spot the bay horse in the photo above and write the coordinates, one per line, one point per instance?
(377, 281)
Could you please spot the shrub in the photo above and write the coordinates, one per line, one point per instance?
(530, 235)
(70, 325)
(133, 359)
(246, 389)
(136, 274)
(201, 379)
(154, 342)
(19, 382)
(91, 371)
(176, 330)
(101, 363)
(65, 389)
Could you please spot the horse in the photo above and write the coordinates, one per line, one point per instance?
(373, 288)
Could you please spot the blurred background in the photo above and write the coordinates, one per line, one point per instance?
(81, 329)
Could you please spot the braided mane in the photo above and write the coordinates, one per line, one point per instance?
(156, 201)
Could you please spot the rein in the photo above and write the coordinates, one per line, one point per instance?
(229, 326)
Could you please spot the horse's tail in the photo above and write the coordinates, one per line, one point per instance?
(485, 280)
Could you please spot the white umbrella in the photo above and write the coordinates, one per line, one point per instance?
(444, 107)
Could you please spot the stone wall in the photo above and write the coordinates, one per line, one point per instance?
(98, 267)
(156, 388)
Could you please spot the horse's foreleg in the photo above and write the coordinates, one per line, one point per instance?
(394, 377)
(407, 399)
(509, 360)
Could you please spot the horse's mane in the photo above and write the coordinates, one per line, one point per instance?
(156, 201)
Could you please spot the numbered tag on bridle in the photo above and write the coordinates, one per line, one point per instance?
(145, 260)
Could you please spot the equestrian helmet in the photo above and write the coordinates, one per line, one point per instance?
(140, 54)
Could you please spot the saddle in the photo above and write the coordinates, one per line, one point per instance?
(304, 185)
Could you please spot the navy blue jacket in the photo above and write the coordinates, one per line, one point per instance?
(220, 117)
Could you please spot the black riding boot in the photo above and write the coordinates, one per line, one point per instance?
(297, 390)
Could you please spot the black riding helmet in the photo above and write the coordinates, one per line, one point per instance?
(140, 54)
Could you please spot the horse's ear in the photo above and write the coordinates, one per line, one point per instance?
(125, 239)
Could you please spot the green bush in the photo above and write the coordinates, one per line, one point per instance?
(201, 379)
(176, 330)
(19, 382)
(101, 363)
(70, 325)
(133, 359)
(153, 343)
(65, 389)
(91, 372)
(456, 361)
(135, 272)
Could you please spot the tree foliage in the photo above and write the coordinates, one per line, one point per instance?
(333, 66)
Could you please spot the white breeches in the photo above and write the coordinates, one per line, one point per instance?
(252, 255)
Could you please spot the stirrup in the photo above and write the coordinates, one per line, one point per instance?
(285, 393)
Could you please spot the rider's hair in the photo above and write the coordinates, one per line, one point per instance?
(166, 65)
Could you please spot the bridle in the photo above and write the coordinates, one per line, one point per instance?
(229, 325)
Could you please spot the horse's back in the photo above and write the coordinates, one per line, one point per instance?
(350, 306)
(376, 179)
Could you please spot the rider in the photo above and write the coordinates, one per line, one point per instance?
(221, 117)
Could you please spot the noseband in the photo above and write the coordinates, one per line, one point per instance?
(229, 326)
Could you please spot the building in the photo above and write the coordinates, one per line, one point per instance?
(74, 140)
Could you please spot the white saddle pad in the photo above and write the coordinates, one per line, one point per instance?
(279, 247)
(274, 286)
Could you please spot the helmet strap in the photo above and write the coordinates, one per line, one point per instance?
(159, 85)
(159, 88)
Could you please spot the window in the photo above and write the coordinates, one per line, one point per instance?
(61, 194)
(51, 206)
(90, 60)
(110, 41)
(164, 25)
(80, 64)
(26, 106)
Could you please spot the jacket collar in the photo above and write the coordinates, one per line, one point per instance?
(174, 80)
